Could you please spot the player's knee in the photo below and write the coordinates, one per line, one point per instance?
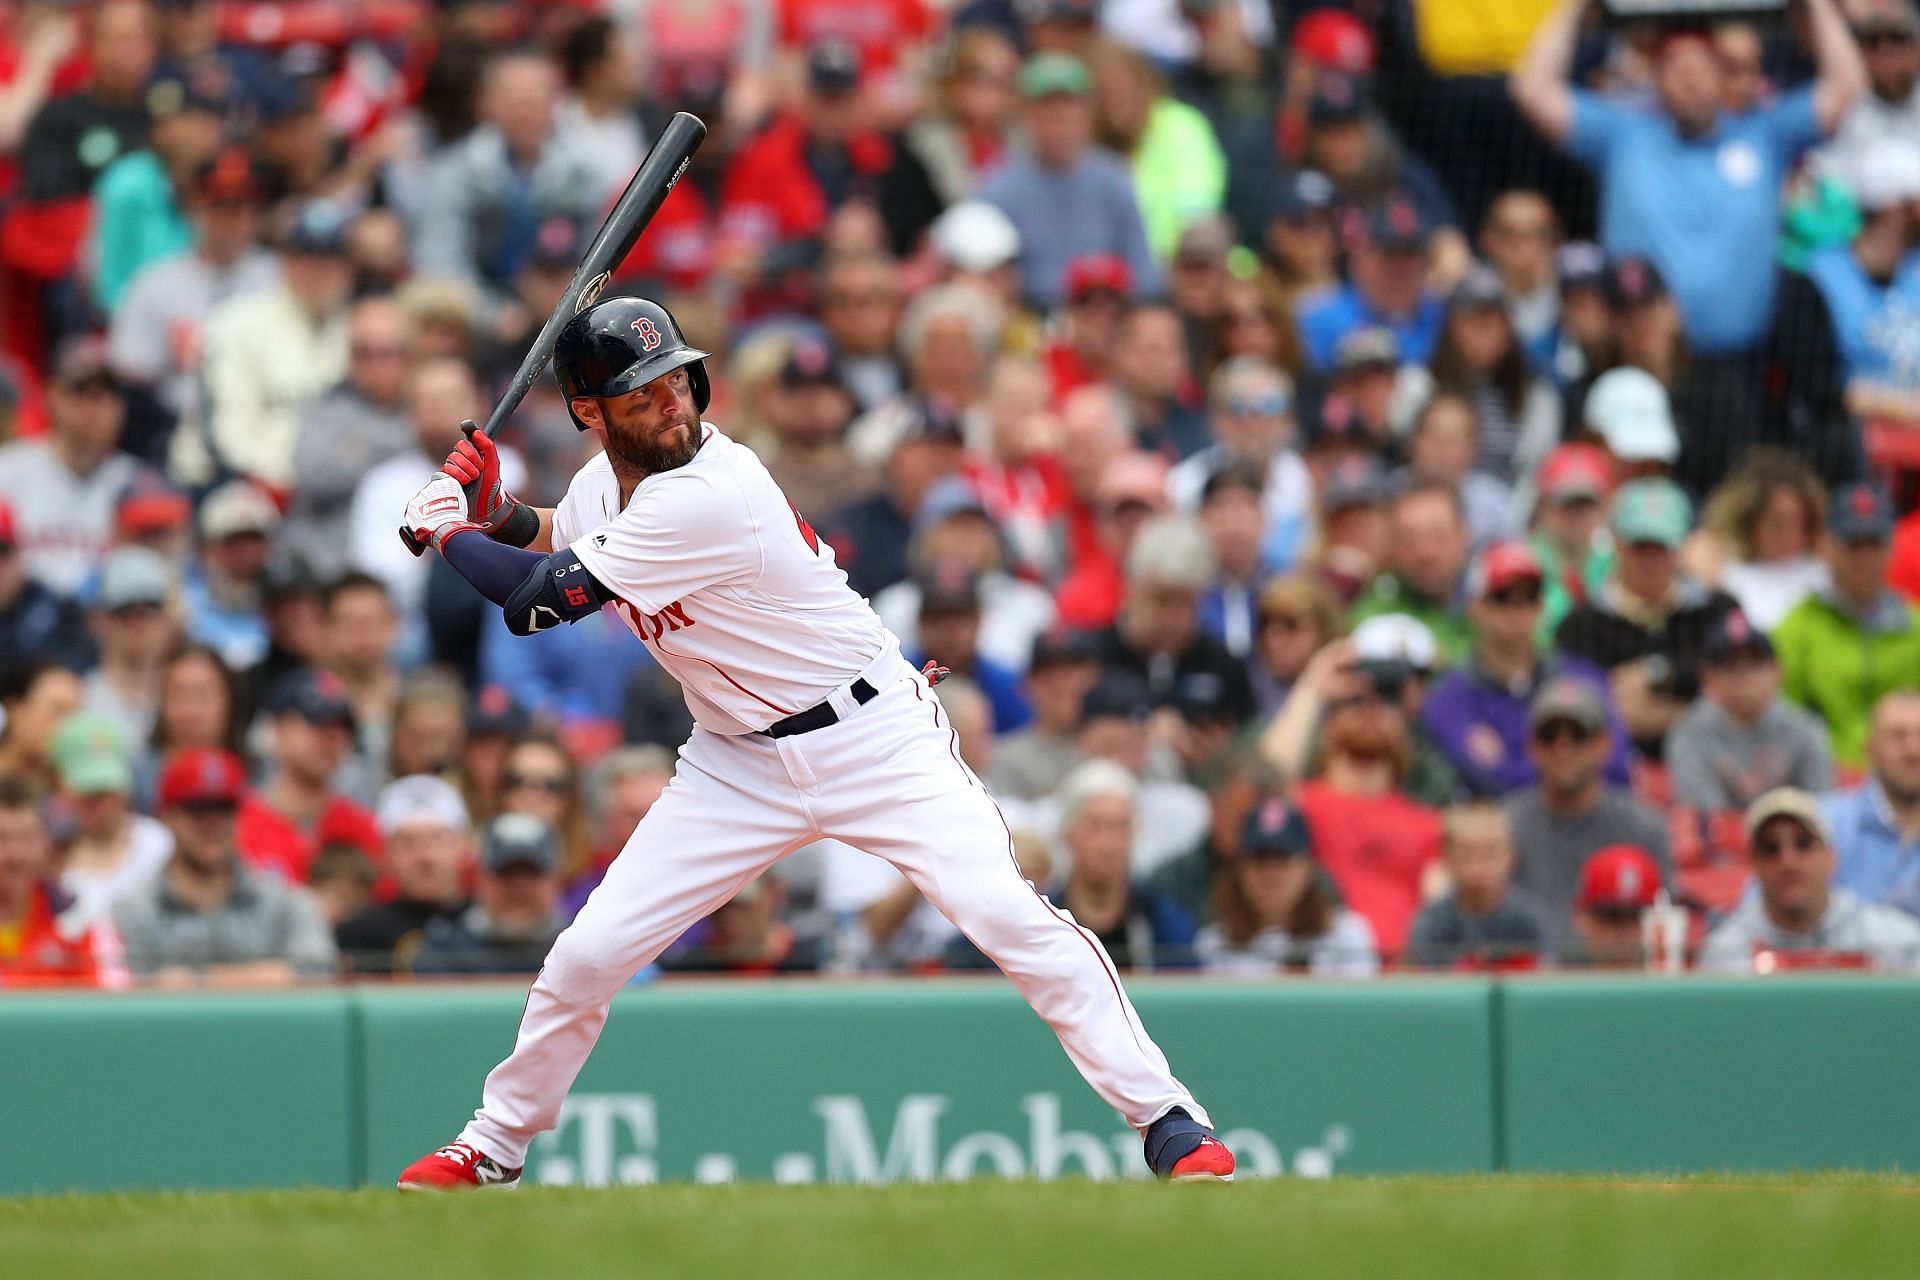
(997, 910)
(577, 970)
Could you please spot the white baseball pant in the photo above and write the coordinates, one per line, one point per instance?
(887, 779)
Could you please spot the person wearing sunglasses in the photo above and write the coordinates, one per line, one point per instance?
(1250, 412)
(1798, 908)
(1888, 33)
(1571, 813)
(1477, 714)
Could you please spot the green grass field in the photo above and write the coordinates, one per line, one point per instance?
(1487, 1229)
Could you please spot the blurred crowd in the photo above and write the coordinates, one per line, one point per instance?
(1399, 483)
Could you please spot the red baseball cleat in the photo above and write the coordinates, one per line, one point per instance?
(461, 1167)
(1208, 1162)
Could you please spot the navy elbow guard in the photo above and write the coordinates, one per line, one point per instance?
(558, 590)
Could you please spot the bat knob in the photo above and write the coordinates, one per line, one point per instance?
(414, 544)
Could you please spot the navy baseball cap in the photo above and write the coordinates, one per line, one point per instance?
(557, 243)
(315, 695)
(1358, 481)
(1275, 829)
(810, 362)
(519, 840)
(1370, 346)
(319, 227)
(1581, 264)
(1479, 288)
(833, 66)
(1337, 98)
(1396, 225)
(1302, 192)
(493, 710)
(1633, 281)
(1061, 647)
(1732, 634)
(1860, 514)
(1117, 693)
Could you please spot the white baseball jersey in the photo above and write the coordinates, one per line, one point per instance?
(725, 582)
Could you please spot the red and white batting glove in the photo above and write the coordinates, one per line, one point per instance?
(475, 463)
(438, 511)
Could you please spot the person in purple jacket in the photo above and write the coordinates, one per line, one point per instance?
(1477, 715)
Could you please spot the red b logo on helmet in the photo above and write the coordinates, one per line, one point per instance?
(649, 336)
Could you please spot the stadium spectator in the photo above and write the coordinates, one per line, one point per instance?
(222, 588)
(1273, 909)
(1150, 370)
(1479, 355)
(429, 855)
(154, 335)
(966, 134)
(1875, 826)
(1250, 415)
(207, 916)
(953, 528)
(622, 786)
(1066, 196)
(137, 216)
(948, 336)
(1350, 142)
(295, 809)
(200, 706)
(429, 726)
(1388, 268)
(1157, 635)
(1300, 249)
(1232, 519)
(860, 300)
(807, 417)
(291, 604)
(1888, 32)
(1845, 646)
(1799, 909)
(1519, 237)
(135, 630)
(1631, 414)
(872, 538)
(1295, 618)
(62, 487)
(1477, 714)
(745, 937)
(1741, 738)
(1356, 521)
(1572, 814)
(267, 355)
(1179, 171)
(1140, 927)
(1116, 716)
(43, 940)
(1763, 527)
(1361, 392)
(1647, 624)
(1584, 342)
(1032, 761)
(34, 620)
(342, 880)
(108, 113)
(1483, 920)
(1441, 449)
(487, 193)
(1426, 564)
(111, 847)
(948, 631)
(540, 777)
(598, 115)
(1079, 351)
(359, 629)
(785, 183)
(35, 697)
(1871, 286)
(1618, 884)
(347, 432)
(1732, 165)
(1197, 281)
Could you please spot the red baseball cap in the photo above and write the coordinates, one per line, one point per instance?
(151, 505)
(1576, 471)
(201, 775)
(1335, 39)
(1619, 876)
(1500, 566)
(1091, 272)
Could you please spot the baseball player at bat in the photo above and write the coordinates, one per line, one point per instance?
(808, 724)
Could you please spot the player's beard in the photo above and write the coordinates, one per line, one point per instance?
(649, 452)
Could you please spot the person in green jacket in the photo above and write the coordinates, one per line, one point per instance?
(137, 216)
(1179, 171)
(1844, 647)
(1427, 558)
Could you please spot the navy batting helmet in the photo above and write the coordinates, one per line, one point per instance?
(620, 345)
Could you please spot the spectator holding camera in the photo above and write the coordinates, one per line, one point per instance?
(1741, 739)
(1798, 908)
(1572, 813)
(1483, 920)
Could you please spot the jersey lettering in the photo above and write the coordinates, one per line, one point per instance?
(811, 538)
(651, 626)
(649, 336)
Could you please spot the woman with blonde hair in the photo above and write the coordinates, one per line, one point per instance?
(1761, 535)
(966, 135)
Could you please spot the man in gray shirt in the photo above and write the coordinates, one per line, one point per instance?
(1742, 739)
(206, 915)
(1065, 196)
(1572, 814)
(1797, 908)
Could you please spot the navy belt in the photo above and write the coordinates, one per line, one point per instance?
(819, 717)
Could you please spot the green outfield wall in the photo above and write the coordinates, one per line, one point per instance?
(803, 1081)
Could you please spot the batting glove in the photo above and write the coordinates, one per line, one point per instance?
(475, 463)
(438, 511)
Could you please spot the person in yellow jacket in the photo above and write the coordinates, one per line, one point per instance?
(1179, 171)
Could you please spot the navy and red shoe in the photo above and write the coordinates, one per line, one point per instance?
(458, 1166)
(1181, 1149)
